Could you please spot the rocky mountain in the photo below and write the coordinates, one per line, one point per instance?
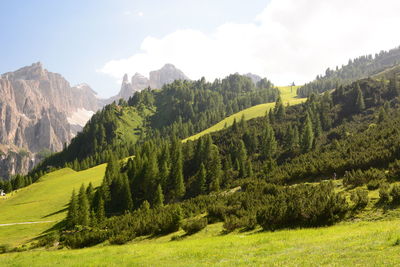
(167, 74)
(254, 77)
(39, 112)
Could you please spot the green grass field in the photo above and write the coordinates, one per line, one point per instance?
(346, 244)
(45, 200)
(288, 94)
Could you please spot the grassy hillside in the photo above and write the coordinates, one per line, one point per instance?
(44, 201)
(288, 94)
(346, 244)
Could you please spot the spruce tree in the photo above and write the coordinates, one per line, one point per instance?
(100, 211)
(393, 88)
(201, 180)
(214, 169)
(73, 213)
(269, 141)
(90, 193)
(83, 209)
(176, 175)
(242, 158)
(126, 196)
(307, 138)
(360, 105)
(382, 116)
(158, 197)
(279, 109)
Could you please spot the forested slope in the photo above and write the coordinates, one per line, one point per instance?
(361, 67)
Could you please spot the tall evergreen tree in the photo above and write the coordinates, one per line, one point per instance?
(73, 212)
(307, 138)
(100, 211)
(201, 187)
(176, 175)
(279, 109)
(242, 158)
(158, 197)
(360, 105)
(83, 209)
(269, 141)
(214, 169)
(126, 196)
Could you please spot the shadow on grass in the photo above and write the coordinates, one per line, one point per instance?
(54, 213)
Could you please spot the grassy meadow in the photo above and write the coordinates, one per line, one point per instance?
(45, 201)
(288, 94)
(345, 244)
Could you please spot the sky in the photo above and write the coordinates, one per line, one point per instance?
(97, 41)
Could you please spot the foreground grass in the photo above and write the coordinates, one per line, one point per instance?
(45, 200)
(288, 94)
(346, 244)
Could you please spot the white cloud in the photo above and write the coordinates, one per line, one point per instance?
(290, 40)
(140, 14)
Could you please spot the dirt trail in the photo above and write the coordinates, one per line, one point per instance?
(8, 224)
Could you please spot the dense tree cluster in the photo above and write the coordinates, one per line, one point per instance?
(358, 68)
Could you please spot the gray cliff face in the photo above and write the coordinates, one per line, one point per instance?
(167, 74)
(254, 77)
(34, 107)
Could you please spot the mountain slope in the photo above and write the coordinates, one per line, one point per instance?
(43, 201)
(288, 95)
(361, 67)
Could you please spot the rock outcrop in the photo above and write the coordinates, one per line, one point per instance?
(254, 77)
(35, 108)
(167, 74)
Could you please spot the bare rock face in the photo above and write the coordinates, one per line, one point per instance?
(167, 74)
(254, 77)
(35, 106)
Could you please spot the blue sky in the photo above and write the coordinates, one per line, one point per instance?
(76, 38)
(97, 41)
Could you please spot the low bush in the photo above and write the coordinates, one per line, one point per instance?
(194, 225)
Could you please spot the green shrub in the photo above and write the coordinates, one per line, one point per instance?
(121, 238)
(4, 248)
(360, 198)
(384, 193)
(194, 225)
(395, 194)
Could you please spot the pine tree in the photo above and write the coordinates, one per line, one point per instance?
(201, 180)
(214, 169)
(393, 88)
(279, 109)
(249, 168)
(177, 171)
(360, 105)
(382, 116)
(90, 193)
(73, 213)
(83, 209)
(243, 123)
(295, 139)
(100, 211)
(269, 141)
(150, 176)
(307, 138)
(125, 192)
(159, 197)
(242, 158)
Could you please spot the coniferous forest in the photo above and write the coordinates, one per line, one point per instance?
(277, 171)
